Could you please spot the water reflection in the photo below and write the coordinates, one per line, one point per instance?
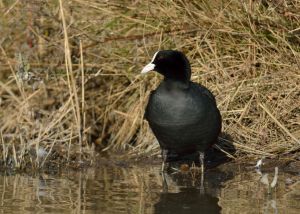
(192, 195)
(188, 200)
(140, 190)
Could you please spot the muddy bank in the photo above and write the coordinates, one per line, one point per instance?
(289, 163)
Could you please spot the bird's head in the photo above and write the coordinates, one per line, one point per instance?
(171, 64)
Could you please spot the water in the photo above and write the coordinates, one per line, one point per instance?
(140, 189)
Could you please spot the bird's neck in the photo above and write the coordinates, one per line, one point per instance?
(174, 83)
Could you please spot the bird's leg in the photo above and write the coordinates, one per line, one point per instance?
(164, 153)
(201, 158)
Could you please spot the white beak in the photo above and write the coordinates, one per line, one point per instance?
(148, 68)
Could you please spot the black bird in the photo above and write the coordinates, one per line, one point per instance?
(183, 115)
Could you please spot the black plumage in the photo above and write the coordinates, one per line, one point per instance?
(183, 115)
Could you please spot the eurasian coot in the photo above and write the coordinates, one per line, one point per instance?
(183, 115)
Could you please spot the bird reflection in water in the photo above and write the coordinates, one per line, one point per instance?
(188, 200)
(190, 194)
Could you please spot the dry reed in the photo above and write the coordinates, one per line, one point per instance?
(70, 74)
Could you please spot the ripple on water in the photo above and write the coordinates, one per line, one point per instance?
(140, 190)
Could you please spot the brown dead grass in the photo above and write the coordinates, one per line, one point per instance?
(70, 74)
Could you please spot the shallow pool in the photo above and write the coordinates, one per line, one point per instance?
(141, 189)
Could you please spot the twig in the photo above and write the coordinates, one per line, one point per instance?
(278, 123)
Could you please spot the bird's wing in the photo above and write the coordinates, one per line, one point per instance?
(149, 101)
(204, 90)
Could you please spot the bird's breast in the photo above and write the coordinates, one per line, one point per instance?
(175, 108)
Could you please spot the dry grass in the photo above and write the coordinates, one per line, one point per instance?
(70, 74)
